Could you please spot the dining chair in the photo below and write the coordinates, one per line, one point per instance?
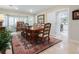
(45, 33)
(24, 33)
(19, 25)
(26, 24)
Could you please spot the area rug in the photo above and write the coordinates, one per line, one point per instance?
(21, 46)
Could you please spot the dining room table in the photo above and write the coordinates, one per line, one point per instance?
(33, 32)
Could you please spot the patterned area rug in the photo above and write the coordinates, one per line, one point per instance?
(22, 46)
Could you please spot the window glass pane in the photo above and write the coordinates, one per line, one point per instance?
(30, 20)
(10, 22)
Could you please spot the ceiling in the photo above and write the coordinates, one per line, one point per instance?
(33, 9)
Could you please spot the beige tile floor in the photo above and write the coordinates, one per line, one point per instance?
(64, 47)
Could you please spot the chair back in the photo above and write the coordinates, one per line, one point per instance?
(46, 30)
(26, 24)
(19, 25)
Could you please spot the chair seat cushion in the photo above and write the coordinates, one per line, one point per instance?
(40, 35)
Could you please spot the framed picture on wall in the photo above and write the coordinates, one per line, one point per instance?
(41, 19)
(75, 15)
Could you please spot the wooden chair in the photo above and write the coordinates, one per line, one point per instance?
(19, 25)
(24, 31)
(26, 24)
(45, 33)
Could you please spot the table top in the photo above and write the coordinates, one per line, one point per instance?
(34, 28)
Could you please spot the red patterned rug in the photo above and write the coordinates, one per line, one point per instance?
(21, 46)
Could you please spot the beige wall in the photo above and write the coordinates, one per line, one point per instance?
(73, 24)
(52, 9)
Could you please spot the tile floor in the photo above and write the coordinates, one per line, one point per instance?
(64, 47)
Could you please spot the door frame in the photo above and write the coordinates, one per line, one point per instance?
(58, 11)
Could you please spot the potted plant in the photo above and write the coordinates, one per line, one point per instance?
(5, 39)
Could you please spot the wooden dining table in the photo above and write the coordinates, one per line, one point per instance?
(33, 32)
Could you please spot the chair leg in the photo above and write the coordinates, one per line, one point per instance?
(48, 39)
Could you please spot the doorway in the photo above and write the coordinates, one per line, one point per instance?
(61, 24)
